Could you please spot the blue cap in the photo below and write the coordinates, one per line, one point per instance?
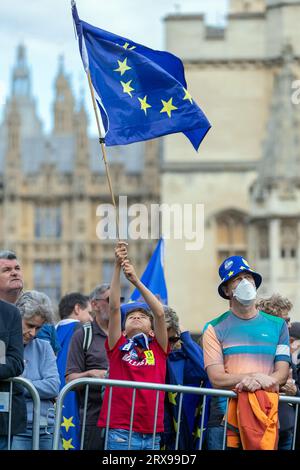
(132, 307)
(233, 266)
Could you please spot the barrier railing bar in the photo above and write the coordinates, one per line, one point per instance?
(131, 417)
(225, 425)
(153, 386)
(86, 396)
(155, 418)
(108, 416)
(178, 421)
(36, 409)
(202, 423)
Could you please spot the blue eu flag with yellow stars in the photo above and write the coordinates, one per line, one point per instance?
(141, 93)
(153, 277)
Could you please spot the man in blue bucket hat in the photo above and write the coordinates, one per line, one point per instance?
(244, 348)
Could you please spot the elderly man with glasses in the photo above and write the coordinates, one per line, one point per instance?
(87, 358)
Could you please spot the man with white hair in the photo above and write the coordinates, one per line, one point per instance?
(11, 344)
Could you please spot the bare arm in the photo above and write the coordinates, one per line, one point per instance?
(222, 380)
(281, 372)
(114, 325)
(160, 329)
(93, 373)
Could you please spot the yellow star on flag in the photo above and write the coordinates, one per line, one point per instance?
(126, 46)
(127, 88)
(172, 398)
(144, 104)
(187, 96)
(123, 67)
(175, 424)
(230, 273)
(168, 107)
(67, 445)
(68, 423)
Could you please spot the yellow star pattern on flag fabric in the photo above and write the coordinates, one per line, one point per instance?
(172, 398)
(68, 423)
(67, 445)
(187, 96)
(175, 424)
(123, 67)
(242, 267)
(230, 273)
(126, 46)
(144, 104)
(127, 88)
(168, 107)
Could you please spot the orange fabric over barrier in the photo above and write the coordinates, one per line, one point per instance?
(253, 420)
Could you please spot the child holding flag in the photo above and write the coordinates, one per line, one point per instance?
(137, 354)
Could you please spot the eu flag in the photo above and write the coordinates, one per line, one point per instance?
(141, 93)
(153, 277)
(70, 426)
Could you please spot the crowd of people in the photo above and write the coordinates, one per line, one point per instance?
(252, 348)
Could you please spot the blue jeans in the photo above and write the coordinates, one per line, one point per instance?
(214, 438)
(3, 443)
(285, 440)
(24, 441)
(118, 440)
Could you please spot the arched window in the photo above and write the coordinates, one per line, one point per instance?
(231, 234)
(289, 239)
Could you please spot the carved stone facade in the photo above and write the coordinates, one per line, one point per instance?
(247, 170)
(50, 187)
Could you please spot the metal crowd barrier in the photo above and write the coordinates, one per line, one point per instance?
(36, 410)
(181, 390)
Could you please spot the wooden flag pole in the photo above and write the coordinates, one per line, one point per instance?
(101, 141)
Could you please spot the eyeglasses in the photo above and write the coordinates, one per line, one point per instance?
(173, 339)
(107, 299)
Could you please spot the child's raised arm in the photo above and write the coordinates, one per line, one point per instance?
(160, 328)
(114, 324)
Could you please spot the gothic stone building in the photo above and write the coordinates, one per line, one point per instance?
(247, 172)
(51, 186)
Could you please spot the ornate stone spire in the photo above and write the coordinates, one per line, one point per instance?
(21, 85)
(63, 103)
(280, 164)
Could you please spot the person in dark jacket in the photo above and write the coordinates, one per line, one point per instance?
(11, 344)
(11, 365)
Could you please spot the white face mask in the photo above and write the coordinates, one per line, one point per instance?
(245, 293)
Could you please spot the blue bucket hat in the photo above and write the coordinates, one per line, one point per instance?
(233, 266)
(131, 307)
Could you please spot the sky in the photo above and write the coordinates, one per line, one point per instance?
(46, 29)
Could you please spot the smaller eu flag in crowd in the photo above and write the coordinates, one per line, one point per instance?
(141, 93)
(153, 277)
(70, 425)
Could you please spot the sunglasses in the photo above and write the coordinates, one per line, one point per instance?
(173, 339)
